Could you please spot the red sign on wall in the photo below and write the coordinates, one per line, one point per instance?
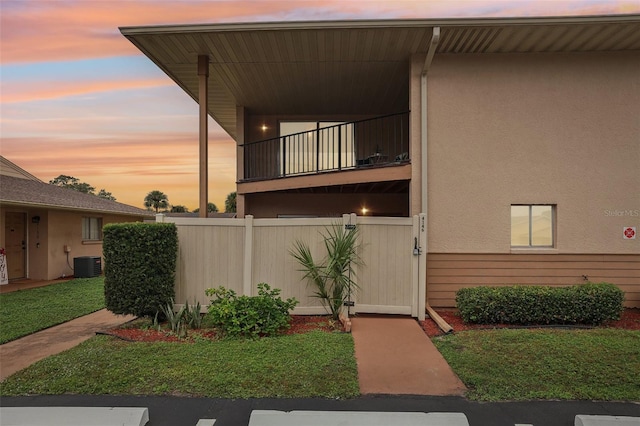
(629, 233)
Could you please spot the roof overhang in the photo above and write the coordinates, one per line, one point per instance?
(349, 67)
(45, 206)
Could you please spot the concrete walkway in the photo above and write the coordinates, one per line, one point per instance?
(396, 357)
(21, 353)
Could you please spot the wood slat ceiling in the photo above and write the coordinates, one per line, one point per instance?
(349, 67)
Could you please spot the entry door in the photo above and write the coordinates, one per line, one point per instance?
(16, 244)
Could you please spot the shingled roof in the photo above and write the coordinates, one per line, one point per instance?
(33, 193)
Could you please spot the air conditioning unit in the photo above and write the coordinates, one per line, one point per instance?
(87, 266)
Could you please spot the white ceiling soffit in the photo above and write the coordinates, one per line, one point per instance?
(349, 67)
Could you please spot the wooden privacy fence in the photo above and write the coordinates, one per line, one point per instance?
(241, 253)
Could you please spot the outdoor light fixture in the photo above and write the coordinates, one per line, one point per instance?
(364, 211)
(264, 127)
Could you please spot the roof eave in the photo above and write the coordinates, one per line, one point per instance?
(67, 208)
(381, 23)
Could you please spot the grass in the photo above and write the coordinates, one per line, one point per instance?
(315, 364)
(597, 364)
(27, 311)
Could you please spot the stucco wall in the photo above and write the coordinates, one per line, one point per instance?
(65, 228)
(46, 239)
(559, 129)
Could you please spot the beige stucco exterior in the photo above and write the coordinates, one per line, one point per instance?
(45, 255)
(560, 129)
(502, 112)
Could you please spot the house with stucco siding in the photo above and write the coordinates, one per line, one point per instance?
(44, 227)
(518, 138)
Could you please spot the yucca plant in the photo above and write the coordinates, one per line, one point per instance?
(192, 316)
(175, 319)
(333, 277)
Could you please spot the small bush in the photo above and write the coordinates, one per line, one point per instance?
(265, 314)
(140, 265)
(579, 304)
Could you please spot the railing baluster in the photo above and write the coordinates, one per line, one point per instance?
(374, 141)
(340, 148)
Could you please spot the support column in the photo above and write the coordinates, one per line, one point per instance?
(203, 99)
(240, 140)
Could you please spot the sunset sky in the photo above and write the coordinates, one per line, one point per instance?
(78, 99)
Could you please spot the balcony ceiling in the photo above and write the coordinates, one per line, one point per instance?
(390, 187)
(350, 67)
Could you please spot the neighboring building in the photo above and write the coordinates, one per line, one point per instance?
(43, 227)
(519, 138)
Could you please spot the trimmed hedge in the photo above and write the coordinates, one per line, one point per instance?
(587, 303)
(140, 265)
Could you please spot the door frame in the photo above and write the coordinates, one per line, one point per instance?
(25, 239)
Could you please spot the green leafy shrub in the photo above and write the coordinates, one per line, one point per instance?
(579, 304)
(249, 316)
(140, 265)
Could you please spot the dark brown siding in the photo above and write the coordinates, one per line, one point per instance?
(447, 273)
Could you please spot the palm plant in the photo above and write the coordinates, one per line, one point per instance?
(333, 277)
(157, 200)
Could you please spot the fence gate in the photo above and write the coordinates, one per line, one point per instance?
(241, 253)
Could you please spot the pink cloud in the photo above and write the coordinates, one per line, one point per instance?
(41, 90)
(53, 31)
(129, 166)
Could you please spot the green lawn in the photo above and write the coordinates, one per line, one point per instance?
(315, 364)
(597, 364)
(594, 364)
(26, 311)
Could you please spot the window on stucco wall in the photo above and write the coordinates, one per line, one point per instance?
(92, 228)
(532, 225)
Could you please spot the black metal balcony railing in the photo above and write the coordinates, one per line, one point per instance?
(372, 142)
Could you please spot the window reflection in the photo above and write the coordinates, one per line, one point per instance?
(532, 225)
(311, 146)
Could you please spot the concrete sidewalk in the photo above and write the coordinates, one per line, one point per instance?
(21, 353)
(396, 357)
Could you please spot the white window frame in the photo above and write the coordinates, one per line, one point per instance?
(530, 222)
(92, 228)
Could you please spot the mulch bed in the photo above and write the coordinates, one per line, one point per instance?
(143, 333)
(630, 320)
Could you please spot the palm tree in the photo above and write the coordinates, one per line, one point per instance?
(230, 203)
(157, 200)
(211, 208)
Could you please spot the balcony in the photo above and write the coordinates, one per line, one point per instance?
(329, 147)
